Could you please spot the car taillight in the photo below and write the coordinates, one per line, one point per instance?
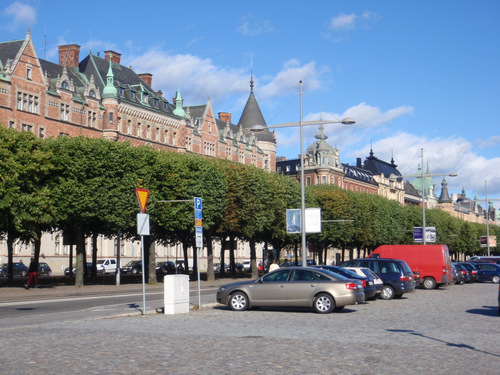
(406, 278)
(463, 272)
(351, 286)
(364, 283)
(474, 272)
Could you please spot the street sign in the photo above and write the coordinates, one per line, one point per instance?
(198, 223)
(430, 234)
(143, 224)
(142, 196)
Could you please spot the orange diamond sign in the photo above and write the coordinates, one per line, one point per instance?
(142, 196)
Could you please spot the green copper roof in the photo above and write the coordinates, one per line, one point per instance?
(110, 89)
(179, 111)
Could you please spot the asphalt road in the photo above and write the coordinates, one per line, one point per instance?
(453, 330)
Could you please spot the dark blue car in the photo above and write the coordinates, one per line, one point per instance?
(488, 272)
(397, 276)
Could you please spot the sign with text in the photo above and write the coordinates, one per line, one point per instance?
(198, 222)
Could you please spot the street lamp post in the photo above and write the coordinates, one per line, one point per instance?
(301, 124)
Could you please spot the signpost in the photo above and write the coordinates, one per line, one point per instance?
(198, 226)
(142, 230)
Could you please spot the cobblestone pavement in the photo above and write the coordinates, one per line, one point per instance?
(453, 330)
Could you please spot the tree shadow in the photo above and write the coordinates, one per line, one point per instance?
(464, 346)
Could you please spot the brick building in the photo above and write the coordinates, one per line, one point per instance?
(98, 97)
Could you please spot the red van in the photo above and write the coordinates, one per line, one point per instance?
(431, 261)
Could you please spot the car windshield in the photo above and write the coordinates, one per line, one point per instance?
(131, 263)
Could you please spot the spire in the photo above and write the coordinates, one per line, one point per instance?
(321, 134)
(110, 89)
(179, 111)
(445, 196)
(251, 114)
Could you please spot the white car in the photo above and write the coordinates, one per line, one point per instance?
(247, 265)
(366, 272)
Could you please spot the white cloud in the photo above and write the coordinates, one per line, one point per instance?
(255, 28)
(198, 78)
(22, 15)
(287, 80)
(441, 155)
(343, 22)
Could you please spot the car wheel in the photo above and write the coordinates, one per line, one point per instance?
(429, 283)
(387, 292)
(495, 279)
(324, 303)
(238, 301)
(134, 271)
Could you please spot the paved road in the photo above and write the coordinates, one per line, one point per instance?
(455, 330)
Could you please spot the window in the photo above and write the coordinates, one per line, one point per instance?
(28, 73)
(92, 93)
(111, 117)
(64, 112)
(12, 124)
(132, 95)
(65, 85)
(41, 132)
(26, 127)
(155, 102)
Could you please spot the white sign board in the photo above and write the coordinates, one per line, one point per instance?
(143, 224)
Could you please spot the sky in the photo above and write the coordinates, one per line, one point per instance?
(418, 77)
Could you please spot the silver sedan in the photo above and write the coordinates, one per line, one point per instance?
(322, 290)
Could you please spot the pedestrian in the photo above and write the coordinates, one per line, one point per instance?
(32, 273)
(273, 266)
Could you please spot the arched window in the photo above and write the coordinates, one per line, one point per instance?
(64, 85)
(92, 93)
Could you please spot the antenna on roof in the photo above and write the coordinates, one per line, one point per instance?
(251, 73)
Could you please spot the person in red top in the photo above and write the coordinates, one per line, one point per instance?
(32, 273)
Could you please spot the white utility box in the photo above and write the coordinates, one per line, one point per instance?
(176, 295)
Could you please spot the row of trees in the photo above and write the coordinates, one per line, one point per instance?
(86, 188)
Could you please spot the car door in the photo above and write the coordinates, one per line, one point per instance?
(301, 288)
(271, 289)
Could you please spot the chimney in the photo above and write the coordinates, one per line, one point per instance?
(69, 55)
(147, 78)
(225, 116)
(358, 163)
(115, 56)
(282, 158)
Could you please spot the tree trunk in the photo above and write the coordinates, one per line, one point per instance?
(10, 257)
(80, 254)
(195, 259)
(150, 266)
(253, 258)
(210, 257)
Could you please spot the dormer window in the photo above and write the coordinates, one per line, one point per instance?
(92, 93)
(65, 85)
(132, 95)
(144, 97)
(155, 102)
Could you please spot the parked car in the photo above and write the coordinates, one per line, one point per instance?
(106, 265)
(432, 262)
(165, 268)
(44, 269)
(471, 268)
(18, 269)
(462, 273)
(293, 287)
(218, 267)
(247, 265)
(67, 273)
(368, 285)
(373, 277)
(488, 272)
(133, 267)
(395, 273)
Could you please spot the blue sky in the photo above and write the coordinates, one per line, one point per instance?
(413, 74)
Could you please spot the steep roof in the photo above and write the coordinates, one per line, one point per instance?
(378, 167)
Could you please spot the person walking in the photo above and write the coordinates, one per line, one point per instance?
(32, 273)
(273, 266)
